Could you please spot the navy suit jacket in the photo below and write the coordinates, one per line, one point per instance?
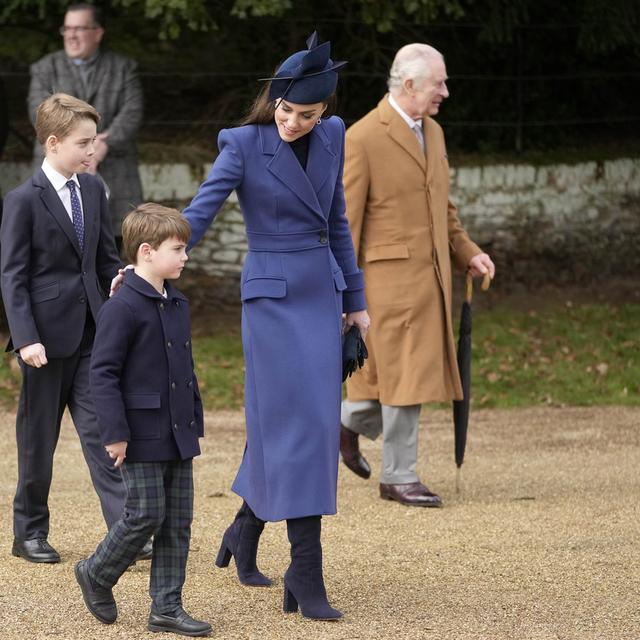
(143, 385)
(48, 284)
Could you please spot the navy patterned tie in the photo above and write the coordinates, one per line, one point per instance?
(76, 211)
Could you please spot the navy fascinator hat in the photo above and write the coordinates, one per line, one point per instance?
(307, 76)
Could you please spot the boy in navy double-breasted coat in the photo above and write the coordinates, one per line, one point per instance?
(150, 417)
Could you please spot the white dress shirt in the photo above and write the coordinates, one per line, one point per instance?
(59, 183)
(414, 125)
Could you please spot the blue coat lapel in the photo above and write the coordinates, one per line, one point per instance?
(285, 166)
(321, 158)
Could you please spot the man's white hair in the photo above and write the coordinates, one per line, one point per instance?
(412, 62)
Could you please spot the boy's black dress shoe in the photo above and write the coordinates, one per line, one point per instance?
(37, 550)
(99, 600)
(179, 622)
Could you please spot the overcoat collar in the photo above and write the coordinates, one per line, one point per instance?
(133, 280)
(87, 89)
(398, 130)
(55, 207)
(285, 166)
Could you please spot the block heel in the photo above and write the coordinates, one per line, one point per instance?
(303, 580)
(240, 540)
(290, 604)
(224, 556)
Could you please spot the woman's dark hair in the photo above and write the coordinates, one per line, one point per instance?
(263, 109)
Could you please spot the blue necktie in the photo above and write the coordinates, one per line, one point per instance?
(76, 213)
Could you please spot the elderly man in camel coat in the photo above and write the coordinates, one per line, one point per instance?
(406, 234)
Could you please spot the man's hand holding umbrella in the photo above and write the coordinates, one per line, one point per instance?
(480, 265)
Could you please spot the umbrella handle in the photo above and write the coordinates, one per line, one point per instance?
(486, 283)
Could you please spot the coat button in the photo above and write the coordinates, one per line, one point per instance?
(323, 237)
(192, 424)
(161, 305)
(169, 344)
(82, 299)
(173, 385)
(186, 344)
(190, 384)
(175, 426)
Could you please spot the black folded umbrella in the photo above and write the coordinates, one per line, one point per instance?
(354, 352)
(461, 407)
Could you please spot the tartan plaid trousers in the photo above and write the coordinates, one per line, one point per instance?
(160, 503)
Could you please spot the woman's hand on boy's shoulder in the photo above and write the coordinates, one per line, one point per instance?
(118, 279)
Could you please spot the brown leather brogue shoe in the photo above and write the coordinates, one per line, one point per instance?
(350, 452)
(413, 494)
(427, 492)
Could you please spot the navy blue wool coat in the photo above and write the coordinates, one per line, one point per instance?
(299, 275)
(143, 384)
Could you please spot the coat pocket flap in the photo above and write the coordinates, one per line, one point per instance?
(142, 400)
(338, 279)
(45, 292)
(387, 252)
(263, 288)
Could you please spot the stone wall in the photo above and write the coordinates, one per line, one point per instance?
(552, 223)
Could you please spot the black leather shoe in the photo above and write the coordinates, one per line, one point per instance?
(99, 600)
(146, 553)
(37, 550)
(413, 494)
(179, 622)
(350, 452)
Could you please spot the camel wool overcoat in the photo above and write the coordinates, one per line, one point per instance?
(406, 233)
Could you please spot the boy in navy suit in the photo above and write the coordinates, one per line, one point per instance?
(150, 417)
(58, 258)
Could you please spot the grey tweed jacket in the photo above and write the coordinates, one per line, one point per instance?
(112, 86)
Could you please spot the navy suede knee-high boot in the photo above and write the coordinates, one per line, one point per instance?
(303, 580)
(240, 540)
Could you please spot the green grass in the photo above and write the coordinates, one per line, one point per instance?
(565, 355)
(220, 369)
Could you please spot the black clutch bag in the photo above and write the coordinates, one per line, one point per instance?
(354, 352)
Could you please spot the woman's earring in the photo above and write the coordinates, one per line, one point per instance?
(319, 121)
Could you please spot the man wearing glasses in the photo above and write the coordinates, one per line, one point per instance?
(110, 83)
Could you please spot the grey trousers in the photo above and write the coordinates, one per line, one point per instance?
(399, 429)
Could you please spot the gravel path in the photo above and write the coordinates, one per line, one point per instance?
(542, 542)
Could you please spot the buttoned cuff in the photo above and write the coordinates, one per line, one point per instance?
(353, 298)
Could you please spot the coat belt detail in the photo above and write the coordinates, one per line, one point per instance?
(288, 241)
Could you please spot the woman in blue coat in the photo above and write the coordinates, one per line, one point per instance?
(299, 276)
